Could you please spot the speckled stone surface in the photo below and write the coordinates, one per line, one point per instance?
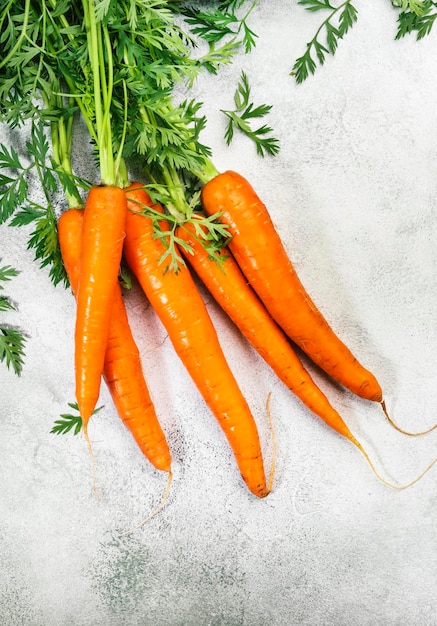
(353, 195)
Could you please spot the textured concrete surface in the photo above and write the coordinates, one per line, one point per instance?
(353, 194)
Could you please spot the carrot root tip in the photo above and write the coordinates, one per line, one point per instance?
(401, 430)
(93, 462)
(155, 511)
(274, 447)
(386, 482)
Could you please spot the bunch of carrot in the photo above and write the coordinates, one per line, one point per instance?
(251, 276)
(252, 279)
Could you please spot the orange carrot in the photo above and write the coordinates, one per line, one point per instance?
(182, 311)
(101, 249)
(226, 283)
(261, 256)
(122, 369)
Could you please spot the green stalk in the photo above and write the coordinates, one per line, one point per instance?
(120, 164)
(101, 93)
(178, 203)
(77, 96)
(113, 170)
(61, 134)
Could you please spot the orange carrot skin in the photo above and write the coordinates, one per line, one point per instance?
(69, 236)
(122, 370)
(124, 376)
(261, 256)
(229, 287)
(101, 249)
(182, 311)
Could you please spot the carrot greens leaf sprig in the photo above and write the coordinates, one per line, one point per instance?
(165, 134)
(334, 27)
(415, 17)
(12, 340)
(13, 185)
(241, 116)
(216, 24)
(418, 7)
(19, 206)
(31, 84)
(68, 422)
(12, 348)
(159, 45)
(27, 68)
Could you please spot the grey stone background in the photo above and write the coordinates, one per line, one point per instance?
(353, 195)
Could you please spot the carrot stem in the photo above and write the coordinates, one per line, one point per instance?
(102, 76)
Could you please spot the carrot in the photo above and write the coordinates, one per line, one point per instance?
(122, 367)
(101, 250)
(182, 311)
(226, 283)
(261, 256)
